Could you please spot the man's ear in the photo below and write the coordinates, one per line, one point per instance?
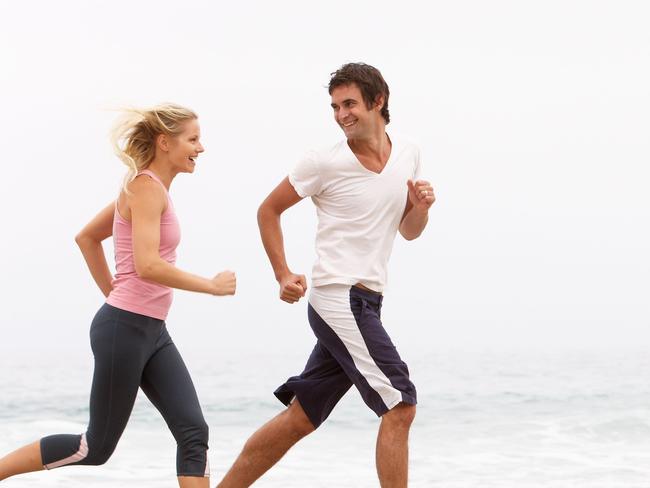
(379, 101)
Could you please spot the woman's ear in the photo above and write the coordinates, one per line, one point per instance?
(162, 142)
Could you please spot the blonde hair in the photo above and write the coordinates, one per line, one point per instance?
(134, 135)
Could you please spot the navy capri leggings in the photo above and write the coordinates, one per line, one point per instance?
(134, 351)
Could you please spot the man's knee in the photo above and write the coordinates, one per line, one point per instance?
(298, 420)
(401, 416)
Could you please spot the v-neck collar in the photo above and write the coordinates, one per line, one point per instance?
(360, 164)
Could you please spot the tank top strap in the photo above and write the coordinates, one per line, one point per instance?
(153, 177)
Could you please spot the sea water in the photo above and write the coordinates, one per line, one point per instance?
(510, 419)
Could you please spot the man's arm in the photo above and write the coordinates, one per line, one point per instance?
(284, 196)
(416, 213)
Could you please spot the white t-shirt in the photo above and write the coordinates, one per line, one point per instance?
(359, 211)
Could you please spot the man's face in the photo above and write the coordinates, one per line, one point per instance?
(351, 113)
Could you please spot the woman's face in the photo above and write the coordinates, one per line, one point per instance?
(184, 148)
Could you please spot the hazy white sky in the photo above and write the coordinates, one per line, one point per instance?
(533, 120)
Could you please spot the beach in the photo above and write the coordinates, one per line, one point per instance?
(485, 418)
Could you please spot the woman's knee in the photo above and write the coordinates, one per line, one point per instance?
(97, 457)
(195, 435)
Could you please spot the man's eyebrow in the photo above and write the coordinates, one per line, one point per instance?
(347, 100)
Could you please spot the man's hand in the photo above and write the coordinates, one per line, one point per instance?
(292, 287)
(416, 212)
(421, 195)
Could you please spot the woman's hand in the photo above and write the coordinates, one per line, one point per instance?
(224, 283)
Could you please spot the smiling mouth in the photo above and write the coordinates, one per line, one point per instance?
(349, 124)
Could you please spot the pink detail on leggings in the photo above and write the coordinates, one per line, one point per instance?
(207, 466)
(77, 456)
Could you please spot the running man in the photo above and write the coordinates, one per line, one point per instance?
(365, 189)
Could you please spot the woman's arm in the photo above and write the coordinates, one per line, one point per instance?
(147, 202)
(90, 240)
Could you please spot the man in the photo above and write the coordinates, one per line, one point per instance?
(365, 189)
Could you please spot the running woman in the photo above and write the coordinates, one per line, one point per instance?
(129, 338)
(365, 189)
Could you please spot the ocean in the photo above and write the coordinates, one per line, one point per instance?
(507, 419)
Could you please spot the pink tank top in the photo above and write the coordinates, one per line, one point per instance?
(130, 292)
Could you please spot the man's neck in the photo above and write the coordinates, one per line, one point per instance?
(372, 153)
(376, 146)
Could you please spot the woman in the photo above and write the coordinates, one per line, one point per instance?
(130, 343)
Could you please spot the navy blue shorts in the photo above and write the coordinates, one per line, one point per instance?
(352, 348)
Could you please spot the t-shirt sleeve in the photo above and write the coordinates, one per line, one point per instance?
(305, 177)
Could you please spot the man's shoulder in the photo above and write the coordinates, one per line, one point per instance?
(326, 154)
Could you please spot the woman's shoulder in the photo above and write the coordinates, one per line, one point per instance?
(144, 187)
(144, 182)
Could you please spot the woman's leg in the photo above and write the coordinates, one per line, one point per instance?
(120, 351)
(167, 383)
(119, 359)
(23, 460)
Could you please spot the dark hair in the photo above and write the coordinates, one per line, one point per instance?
(368, 79)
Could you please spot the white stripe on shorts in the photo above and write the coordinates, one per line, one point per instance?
(332, 303)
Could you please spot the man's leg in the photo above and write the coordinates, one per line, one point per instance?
(357, 339)
(392, 446)
(267, 446)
